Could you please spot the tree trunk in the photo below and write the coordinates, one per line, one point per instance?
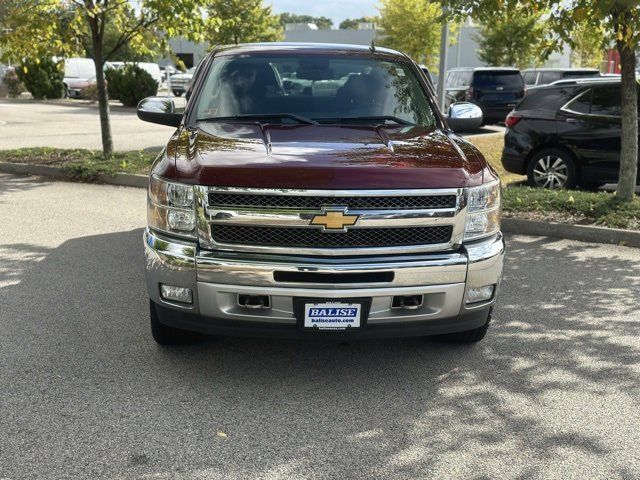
(629, 98)
(103, 104)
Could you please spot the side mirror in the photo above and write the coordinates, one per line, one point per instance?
(464, 116)
(160, 110)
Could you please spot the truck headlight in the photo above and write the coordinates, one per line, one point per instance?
(483, 211)
(171, 207)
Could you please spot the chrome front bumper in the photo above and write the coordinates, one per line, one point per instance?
(217, 278)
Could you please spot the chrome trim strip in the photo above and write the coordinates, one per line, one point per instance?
(258, 270)
(337, 193)
(301, 218)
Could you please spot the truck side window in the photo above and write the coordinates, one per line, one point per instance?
(606, 101)
(548, 77)
(450, 79)
(580, 104)
(464, 80)
(530, 78)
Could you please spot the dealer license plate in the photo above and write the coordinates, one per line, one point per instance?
(332, 315)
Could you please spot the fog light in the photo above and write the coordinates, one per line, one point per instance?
(480, 294)
(176, 294)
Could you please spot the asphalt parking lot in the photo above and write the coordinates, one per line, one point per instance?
(551, 393)
(75, 124)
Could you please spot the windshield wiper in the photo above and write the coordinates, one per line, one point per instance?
(262, 116)
(381, 118)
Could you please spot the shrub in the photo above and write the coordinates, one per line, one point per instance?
(130, 85)
(90, 93)
(13, 83)
(42, 78)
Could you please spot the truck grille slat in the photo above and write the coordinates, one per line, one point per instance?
(313, 238)
(222, 199)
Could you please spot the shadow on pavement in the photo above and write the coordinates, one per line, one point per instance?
(14, 183)
(89, 395)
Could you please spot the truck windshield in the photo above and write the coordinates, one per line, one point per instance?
(319, 88)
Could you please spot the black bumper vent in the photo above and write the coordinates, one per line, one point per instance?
(311, 238)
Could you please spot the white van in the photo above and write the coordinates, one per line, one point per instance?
(78, 74)
(79, 68)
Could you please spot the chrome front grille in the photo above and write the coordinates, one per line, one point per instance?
(312, 238)
(286, 221)
(224, 199)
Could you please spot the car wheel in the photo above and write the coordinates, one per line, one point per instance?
(552, 169)
(166, 335)
(468, 336)
(177, 94)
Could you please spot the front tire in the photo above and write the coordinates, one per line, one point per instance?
(553, 169)
(468, 336)
(166, 335)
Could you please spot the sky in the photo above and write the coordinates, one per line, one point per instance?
(336, 10)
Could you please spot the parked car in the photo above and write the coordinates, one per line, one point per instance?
(495, 90)
(534, 77)
(179, 82)
(167, 71)
(79, 74)
(353, 212)
(566, 134)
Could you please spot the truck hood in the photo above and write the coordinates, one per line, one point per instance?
(324, 157)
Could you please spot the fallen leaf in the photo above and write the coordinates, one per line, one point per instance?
(221, 434)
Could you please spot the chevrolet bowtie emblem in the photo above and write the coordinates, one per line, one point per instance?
(336, 220)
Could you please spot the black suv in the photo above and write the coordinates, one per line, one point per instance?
(566, 134)
(495, 90)
(534, 77)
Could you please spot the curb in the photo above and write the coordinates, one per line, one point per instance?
(122, 179)
(583, 233)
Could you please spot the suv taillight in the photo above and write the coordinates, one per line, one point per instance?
(512, 119)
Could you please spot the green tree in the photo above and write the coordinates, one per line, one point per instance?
(41, 28)
(352, 23)
(323, 23)
(242, 21)
(515, 38)
(413, 27)
(589, 44)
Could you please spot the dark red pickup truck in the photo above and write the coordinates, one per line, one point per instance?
(317, 191)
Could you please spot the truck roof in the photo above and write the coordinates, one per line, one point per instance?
(484, 69)
(292, 47)
(558, 69)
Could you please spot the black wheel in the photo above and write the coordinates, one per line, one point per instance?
(165, 335)
(553, 169)
(177, 93)
(468, 336)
